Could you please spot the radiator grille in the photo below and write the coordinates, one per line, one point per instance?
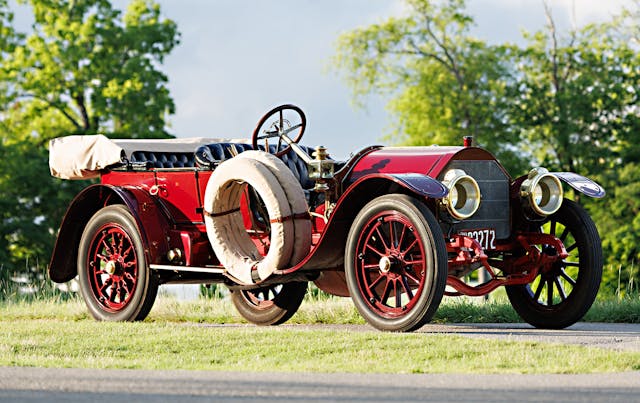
(494, 205)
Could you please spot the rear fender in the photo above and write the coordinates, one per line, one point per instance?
(148, 217)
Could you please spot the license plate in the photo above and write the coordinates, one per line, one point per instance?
(486, 237)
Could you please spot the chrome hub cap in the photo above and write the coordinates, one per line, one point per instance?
(385, 264)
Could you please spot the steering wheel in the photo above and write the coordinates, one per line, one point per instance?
(279, 123)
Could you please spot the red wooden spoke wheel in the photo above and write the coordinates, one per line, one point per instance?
(114, 278)
(391, 264)
(113, 267)
(396, 263)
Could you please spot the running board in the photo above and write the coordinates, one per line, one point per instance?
(212, 270)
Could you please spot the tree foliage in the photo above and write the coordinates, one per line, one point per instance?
(575, 103)
(444, 83)
(619, 225)
(84, 68)
(577, 108)
(96, 67)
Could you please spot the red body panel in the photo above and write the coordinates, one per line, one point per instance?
(178, 191)
(145, 180)
(423, 160)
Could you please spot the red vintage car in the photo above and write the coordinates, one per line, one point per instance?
(394, 228)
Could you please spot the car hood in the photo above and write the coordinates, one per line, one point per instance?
(430, 161)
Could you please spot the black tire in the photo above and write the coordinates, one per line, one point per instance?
(271, 305)
(115, 280)
(396, 263)
(563, 295)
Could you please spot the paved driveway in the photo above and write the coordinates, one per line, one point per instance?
(74, 385)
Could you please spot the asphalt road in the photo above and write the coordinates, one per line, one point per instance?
(74, 385)
(618, 336)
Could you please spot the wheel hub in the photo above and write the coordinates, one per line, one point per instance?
(389, 265)
(111, 267)
(385, 264)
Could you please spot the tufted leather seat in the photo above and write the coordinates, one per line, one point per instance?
(164, 159)
(209, 155)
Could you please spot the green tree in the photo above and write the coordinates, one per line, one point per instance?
(619, 226)
(620, 221)
(575, 99)
(444, 84)
(85, 68)
(96, 67)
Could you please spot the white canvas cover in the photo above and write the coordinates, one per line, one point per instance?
(225, 228)
(295, 198)
(83, 157)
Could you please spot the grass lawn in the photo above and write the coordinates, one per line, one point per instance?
(49, 334)
(165, 345)
(316, 310)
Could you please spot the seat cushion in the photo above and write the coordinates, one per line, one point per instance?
(164, 159)
(208, 156)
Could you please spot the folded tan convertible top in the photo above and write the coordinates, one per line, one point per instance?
(83, 157)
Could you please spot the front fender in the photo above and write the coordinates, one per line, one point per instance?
(329, 252)
(582, 184)
(421, 184)
(149, 218)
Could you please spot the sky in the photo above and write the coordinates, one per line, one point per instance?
(240, 58)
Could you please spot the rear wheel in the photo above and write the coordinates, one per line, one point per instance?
(562, 295)
(396, 263)
(271, 305)
(114, 277)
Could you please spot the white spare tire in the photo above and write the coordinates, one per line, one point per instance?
(295, 198)
(225, 227)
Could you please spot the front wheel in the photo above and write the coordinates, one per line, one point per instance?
(114, 277)
(270, 305)
(562, 295)
(396, 263)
